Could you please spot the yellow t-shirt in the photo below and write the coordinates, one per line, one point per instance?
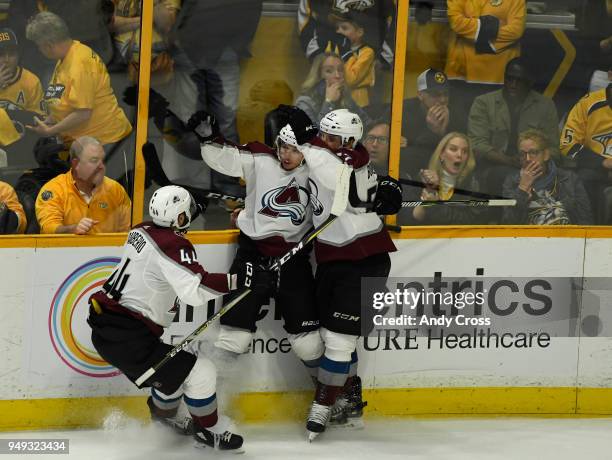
(8, 196)
(59, 202)
(25, 93)
(81, 81)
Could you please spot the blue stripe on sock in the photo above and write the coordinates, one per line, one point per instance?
(337, 367)
(354, 357)
(157, 396)
(200, 402)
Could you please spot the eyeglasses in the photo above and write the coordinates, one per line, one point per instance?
(380, 139)
(531, 153)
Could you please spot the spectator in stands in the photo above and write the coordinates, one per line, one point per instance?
(126, 26)
(545, 194)
(485, 38)
(324, 89)
(20, 89)
(451, 166)
(20, 97)
(376, 142)
(427, 118)
(214, 38)
(80, 99)
(587, 138)
(12, 217)
(318, 32)
(359, 58)
(83, 201)
(87, 20)
(497, 118)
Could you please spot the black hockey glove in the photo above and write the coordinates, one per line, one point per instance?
(158, 104)
(489, 28)
(204, 125)
(253, 276)
(302, 126)
(388, 196)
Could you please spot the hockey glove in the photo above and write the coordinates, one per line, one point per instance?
(158, 104)
(204, 125)
(388, 196)
(302, 126)
(253, 276)
(489, 28)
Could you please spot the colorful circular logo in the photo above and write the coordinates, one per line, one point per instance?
(68, 329)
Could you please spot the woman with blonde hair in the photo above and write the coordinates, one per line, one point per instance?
(325, 89)
(451, 166)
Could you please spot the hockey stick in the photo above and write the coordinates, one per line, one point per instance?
(486, 196)
(338, 206)
(486, 203)
(149, 153)
(190, 338)
(343, 177)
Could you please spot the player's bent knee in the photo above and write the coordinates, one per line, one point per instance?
(202, 380)
(235, 340)
(307, 346)
(158, 394)
(338, 347)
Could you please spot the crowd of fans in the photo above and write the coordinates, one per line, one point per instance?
(476, 124)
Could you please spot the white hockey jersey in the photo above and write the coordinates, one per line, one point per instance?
(158, 267)
(355, 234)
(278, 206)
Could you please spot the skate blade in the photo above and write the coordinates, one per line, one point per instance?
(350, 424)
(238, 451)
(312, 435)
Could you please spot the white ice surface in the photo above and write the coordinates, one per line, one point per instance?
(444, 439)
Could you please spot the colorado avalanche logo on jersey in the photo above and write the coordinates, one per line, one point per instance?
(604, 140)
(289, 201)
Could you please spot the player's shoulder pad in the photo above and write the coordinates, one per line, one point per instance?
(259, 148)
(169, 242)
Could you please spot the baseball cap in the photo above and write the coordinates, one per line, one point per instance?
(8, 39)
(432, 80)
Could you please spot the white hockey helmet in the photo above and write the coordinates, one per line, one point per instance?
(286, 135)
(168, 203)
(343, 123)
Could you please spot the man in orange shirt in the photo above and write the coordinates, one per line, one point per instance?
(83, 200)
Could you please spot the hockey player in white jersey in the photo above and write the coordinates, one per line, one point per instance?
(356, 245)
(278, 212)
(127, 317)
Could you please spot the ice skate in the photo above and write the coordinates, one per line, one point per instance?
(225, 441)
(182, 425)
(347, 411)
(317, 420)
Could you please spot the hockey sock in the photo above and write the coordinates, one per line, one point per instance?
(203, 411)
(165, 405)
(332, 377)
(312, 367)
(354, 364)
